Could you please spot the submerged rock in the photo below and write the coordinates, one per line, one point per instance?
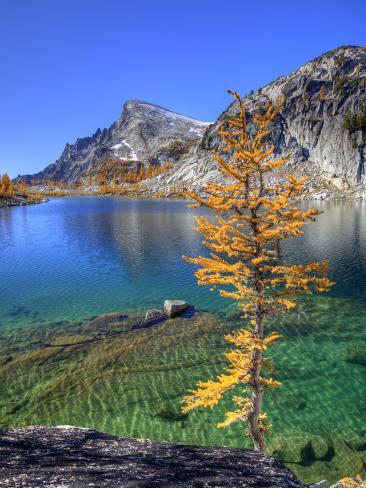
(155, 315)
(75, 457)
(108, 318)
(175, 307)
(357, 355)
(5, 359)
(303, 450)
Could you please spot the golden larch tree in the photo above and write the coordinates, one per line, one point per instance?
(253, 215)
(6, 185)
(322, 93)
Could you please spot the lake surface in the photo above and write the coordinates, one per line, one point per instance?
(77, 257)
(80, 256)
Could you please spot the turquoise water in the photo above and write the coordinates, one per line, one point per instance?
(76, 257)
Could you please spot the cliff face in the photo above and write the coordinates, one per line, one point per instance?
(73, 457)
(321, 130)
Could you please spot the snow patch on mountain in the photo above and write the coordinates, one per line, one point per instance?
(198, 131)
(133, 156)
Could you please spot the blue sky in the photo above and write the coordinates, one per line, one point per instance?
(67, 67)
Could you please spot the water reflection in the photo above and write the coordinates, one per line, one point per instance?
(339, 235)
(75, 257)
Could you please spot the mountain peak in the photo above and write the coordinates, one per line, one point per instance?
(140, 106)
(338, 58)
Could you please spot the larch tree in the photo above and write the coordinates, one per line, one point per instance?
(322, 93)
(253, 215)
(6, 184)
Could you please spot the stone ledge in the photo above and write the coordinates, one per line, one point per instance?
(67, 456)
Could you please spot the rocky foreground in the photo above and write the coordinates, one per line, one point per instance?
(74, 457)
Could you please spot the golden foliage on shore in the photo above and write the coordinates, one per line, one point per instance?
(117, 172)
(11, 190)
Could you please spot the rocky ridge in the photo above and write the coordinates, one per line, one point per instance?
(321, 130)
(144, 134)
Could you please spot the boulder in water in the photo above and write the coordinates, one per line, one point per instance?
(175, 307)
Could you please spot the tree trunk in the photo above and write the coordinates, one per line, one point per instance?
(255, 432)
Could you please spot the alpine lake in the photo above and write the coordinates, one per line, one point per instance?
(64, 263)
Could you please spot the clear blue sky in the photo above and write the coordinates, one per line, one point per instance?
(67, 66)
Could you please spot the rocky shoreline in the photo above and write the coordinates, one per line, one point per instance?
(19, 201)
(322, 191)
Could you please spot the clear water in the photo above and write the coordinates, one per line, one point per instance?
(74, 258)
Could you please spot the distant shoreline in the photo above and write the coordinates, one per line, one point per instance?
(150, 194)
(20, 201)
(41, 194)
